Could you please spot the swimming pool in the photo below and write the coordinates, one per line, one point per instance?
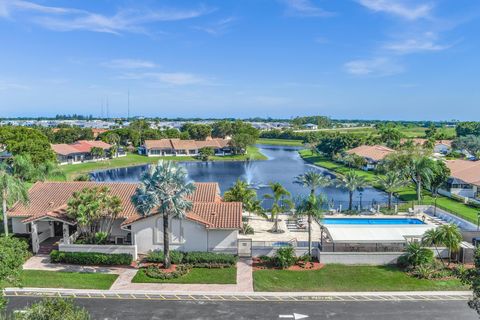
(372, 221)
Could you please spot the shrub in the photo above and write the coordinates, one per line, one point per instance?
(285, 257)
(90, 258)
(247, 229)
(157, 256)
(53, 309)
(417, 255)
(202, 259)
(158, 273)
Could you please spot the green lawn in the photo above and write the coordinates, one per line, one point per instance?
(281, 142)
(132, 159)
(68, 280)
(335, 277)
(333, 166)
(196, 275)
(408, 194)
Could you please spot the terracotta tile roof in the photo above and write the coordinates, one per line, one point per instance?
(467, 171)
(79, 147)
(63, 149)
(158, 144)
(185, 144)
(375, 152)
(49, 199)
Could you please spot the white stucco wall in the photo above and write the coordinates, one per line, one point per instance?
(186, 236)
(18, 226)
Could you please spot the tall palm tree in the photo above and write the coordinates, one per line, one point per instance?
(241, 192)
(312, 207)
(451, 237)
(420, 170)
(281, 202)
(351, 181)
(164, 189)
(12, 189)
(433, 237)
(391, 182)
(313, 180)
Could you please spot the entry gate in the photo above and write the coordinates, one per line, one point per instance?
(245, 248)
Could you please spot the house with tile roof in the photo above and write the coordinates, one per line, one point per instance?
(211, 225)
(441, 147)
(464, 178)
(373, 155)
(177, 147)
(81, 151)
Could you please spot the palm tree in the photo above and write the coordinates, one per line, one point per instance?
(451, 237)
(241, 192)
(433, 237)
(420, 169)
(164, 190)
(97, 152)
(281, 202)
(391, 182)
(12, 189)
(312, 207)
(313, 180)
(351, 181)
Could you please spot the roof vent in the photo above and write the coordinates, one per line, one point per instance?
(213, 213)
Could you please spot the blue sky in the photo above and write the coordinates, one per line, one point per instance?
(370, 59)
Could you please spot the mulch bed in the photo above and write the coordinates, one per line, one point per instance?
(260, 265)
(172, 268)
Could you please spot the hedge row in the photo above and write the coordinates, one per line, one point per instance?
(90, 258)
(197, 258)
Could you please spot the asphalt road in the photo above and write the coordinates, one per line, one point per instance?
(216, 310)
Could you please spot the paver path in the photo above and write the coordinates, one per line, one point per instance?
(125, 276)
(244, 282)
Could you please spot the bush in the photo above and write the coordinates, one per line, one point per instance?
(157, 256)
(247, 229)
(416, 255)
(208, 259)
(158, 273)
(90, 258)
(285, 257)
(53, 309)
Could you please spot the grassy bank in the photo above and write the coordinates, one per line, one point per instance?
(133, 159)
(281, 142)
(348, 278)
(68, 280)
(196, 275)
(408, 193)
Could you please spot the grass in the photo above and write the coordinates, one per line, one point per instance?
(333, 166)
(407, 194)
(67, 280)
(335, 277)
(196, 275)
(133, 159)
(280, 142)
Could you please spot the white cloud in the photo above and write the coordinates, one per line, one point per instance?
(377, 67)
(305, 8)
(422, 43)
(10, 85)
(70, 19)
(129, 64)
(399, 8)
(218, 28)
(170, 78)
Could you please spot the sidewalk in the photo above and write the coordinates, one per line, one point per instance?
(125, 276)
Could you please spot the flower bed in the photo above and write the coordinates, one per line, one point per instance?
(157, 272)
(263, 263)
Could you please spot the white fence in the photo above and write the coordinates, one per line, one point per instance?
(128, 249)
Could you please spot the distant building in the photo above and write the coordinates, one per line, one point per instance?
(310, 126)
(373, 155)
(81, 151)
(464, 178)
(441, 146)
(177, 147)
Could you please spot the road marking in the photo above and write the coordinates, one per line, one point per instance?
(295, 316)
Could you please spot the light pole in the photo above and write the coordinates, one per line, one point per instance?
(478, 221)
(361, 194)
(435, 206)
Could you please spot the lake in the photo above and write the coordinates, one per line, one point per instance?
(283, 165)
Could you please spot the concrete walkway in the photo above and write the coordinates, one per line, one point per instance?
(125, 276)
(244, 282)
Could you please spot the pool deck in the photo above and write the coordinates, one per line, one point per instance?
(262, 226)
